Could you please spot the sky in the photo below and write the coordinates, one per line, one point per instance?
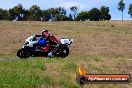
(83, 5)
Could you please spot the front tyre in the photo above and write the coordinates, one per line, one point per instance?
(64, 51)
(23, 53)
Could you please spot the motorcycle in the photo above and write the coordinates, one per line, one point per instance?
(31, 48)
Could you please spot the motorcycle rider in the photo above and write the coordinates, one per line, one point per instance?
(51, 40)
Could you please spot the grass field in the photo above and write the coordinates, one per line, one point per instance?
(103, 47)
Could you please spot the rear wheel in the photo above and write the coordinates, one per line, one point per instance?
(23, 53)
(64, 51)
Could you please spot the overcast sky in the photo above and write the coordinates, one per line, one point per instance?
(83, 5)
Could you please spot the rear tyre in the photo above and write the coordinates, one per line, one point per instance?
(23, 53)
(64, 51)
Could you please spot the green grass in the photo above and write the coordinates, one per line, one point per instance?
(32, 73)
(23, 73)
(50, 72)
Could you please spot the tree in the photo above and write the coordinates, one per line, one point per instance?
(54, 11)
(3, 14)
(61, 10)
(15, 12)
(45, 15)
(62, 14)
(36, 13)
(26, 15)
(57, 13)
(83, 15)
(121, 7)
(61, 17)
(74, 9)
(70, 17)
(94, 14)
(108, 17)
(6, 14)
(104, 13)
(130, 10)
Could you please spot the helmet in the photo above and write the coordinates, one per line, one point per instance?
(44, 31)
(45, 34)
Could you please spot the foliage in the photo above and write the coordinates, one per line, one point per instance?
(94, 14)
(3, 14)
(130, 10)
(70, 17)
(74, 9)
(121, 7)
(15, 12)
(34, 13)
(83, 15)
(104, 13)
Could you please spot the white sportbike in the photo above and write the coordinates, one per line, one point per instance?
(31, 48)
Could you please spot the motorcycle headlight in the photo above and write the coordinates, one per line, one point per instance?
(26, 43)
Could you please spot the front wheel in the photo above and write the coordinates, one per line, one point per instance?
(23, 53)
(64, 51)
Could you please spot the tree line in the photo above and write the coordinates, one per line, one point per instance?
(34, 13)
